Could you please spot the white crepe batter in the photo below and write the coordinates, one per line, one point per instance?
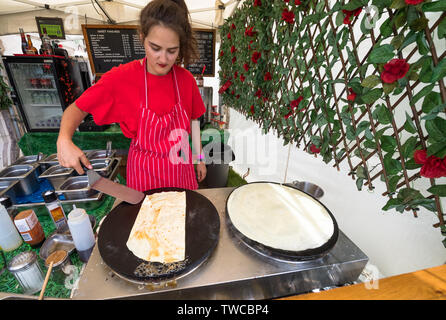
(279, 217)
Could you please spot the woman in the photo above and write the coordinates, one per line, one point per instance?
(155, 101)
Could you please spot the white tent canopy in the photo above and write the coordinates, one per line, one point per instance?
(15, 14)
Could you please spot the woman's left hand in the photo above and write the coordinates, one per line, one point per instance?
(201, 171)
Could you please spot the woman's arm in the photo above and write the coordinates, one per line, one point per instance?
(68, 154)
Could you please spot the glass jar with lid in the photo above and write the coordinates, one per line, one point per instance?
(26, 269)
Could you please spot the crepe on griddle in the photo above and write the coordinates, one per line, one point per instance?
(279, 217)
(158, 234)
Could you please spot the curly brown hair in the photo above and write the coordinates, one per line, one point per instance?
(171, 14)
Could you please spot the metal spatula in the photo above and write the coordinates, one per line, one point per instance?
(113, 189)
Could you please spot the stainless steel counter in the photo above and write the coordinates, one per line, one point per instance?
(233, 271)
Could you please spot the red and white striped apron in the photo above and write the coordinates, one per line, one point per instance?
(153, 160)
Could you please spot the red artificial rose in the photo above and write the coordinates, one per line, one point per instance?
(221, 53)
(288, 16)
(246, 67)
(314, 149)
(228, 36)
(232, 92)
(252, 109)
(249, 45)
(297, 2)
(267, 77)
(258, 93)
(249, 32)
(349, 13)
(234, 59)
(293, 105)
(394, 69)
(233, 49)
(237, 96)
(255, 57)
(242, 78)
(233, 26)
(257, 3)
(352, 95)
(235, 75)
(420, 156)
(288, 114)
(433, 168)
(296, 102)
(413, 1)
(225, 86)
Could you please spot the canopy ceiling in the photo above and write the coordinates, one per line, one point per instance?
(16, 14)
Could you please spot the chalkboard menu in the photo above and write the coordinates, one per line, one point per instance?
(109, 46)
(206, 49)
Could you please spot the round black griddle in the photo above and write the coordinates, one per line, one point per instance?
(279, 254)
(202, 233)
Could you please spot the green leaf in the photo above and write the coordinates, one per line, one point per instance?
(409, 125)
(389, 87)
(354, 4)
(408, 148)
(386, 28)
(439, 190)
(397, 41)
(426, 69)
(381, 54)
(442, 29)
(388, 143)
(350, 133)
(439, 71)
(393, 182)
(437, 149)
(359, 183)
(383, 114)
(339, 18)
(372, 95)
(422, 45)
(371, 81)
(437, 6)
(419, 24)
(392, 203)
(407, 195)
(422, 93)
(431, 100)
(398, 4)
(412, 165)
(436, 129)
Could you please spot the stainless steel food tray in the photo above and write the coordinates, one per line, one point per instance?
(87, 203)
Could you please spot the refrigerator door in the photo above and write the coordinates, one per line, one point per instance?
(35, 86)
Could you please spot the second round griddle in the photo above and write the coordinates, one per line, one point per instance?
(279, 254)
(202, 233)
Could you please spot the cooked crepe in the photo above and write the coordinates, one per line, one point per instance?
(279, 217)
(158, 234)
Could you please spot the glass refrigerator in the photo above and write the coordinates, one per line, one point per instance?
(43, 87)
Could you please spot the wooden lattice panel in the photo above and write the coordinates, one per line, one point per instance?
(361, 83)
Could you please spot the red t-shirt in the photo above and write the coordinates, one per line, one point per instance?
(119, 94)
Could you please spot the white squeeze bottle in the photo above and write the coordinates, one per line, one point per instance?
(10, 238)
(82, 233)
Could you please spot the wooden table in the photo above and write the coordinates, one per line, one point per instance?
(427, 284)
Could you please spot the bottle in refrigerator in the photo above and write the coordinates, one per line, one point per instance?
(31, 49)
(46, 43)
(24, 43)
(9, 236)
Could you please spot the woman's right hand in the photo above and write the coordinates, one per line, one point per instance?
(70, 156)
